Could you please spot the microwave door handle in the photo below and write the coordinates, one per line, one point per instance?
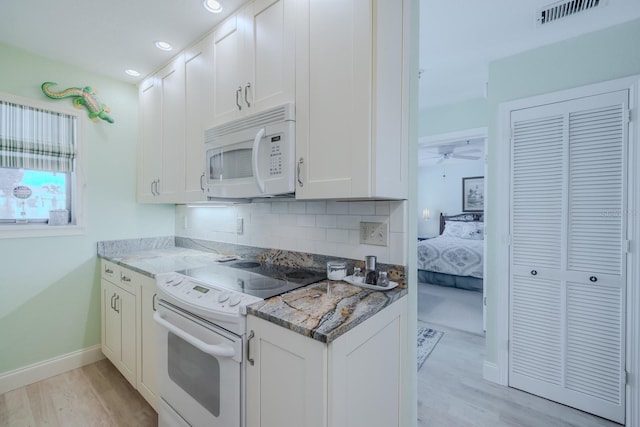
(254, 163)
(212, 349)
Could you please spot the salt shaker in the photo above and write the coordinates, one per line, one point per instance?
(370, 276)
(383, 279)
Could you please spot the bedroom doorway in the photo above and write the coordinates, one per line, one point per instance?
(451, 266)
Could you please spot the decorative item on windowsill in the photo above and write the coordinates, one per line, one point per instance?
(81, 97)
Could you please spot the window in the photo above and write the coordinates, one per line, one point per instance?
(38, 165)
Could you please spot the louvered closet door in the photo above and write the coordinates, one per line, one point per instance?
(568, 258)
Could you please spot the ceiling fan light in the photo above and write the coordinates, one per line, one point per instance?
(212, 6)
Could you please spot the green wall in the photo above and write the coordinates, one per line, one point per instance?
(592, 58)
(50, 287)
(463, 115)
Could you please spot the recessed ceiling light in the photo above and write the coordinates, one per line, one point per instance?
(132, 72)
(212, 6)
(163, 45)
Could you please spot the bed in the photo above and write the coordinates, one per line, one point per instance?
(455, 257)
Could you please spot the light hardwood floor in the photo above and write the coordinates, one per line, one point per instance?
(94, 395)
(452, 392)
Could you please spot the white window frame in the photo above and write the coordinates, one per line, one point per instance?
(12, 231)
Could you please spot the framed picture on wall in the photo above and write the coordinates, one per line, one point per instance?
(473, 194)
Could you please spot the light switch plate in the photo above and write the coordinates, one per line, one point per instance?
(374, 233)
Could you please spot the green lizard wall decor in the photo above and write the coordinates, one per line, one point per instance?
(81, 97)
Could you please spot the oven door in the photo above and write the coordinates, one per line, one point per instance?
(199, 371)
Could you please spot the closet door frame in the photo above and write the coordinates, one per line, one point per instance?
(498, 371)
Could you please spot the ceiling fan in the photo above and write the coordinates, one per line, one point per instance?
(446, 152)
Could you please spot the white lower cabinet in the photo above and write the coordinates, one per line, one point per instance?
(354, 381)
(128, 329)
(118, 338)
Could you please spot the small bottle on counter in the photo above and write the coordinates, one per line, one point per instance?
(358, 275)
(370, 275)
(383, 279)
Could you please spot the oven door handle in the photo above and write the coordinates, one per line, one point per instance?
(212, 349)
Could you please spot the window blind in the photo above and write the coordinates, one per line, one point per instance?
(33, 138)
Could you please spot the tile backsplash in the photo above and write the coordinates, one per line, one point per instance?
(325, 227)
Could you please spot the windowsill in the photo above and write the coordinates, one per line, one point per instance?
(39, 230)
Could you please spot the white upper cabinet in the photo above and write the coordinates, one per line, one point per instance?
(162, 129)
(351, 100)
(253, 57)
(198, 66)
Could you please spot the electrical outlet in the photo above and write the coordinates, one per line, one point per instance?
(239, 225)
(374, 233)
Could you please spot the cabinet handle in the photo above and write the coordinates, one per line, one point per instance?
(152, 192)
(202, 181)
(153, 302)
(594, 279)
(125, 278)
(249, 338)
(113, 304)
(300, 163)
(157, 185)
(534, 272)
(238, 91)
(246, 99)
(116, 304)
(107, 270)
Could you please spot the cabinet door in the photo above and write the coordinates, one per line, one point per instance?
(351, 104)
(171, 79)
(198, 68)
(333, 98)
(149, 137)
(126, 307)
(366, 370)
(286, 385)
(111, 339)
(119, 329)
(147, 376)
(227, 71)
(269, 52)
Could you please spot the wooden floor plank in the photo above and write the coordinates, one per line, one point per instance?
(452, 392)
(94, 395)
(15, 410)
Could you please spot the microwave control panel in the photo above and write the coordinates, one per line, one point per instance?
(275, 155)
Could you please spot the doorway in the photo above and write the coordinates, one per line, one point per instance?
(451, 263)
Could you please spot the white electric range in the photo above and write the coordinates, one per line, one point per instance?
(202, 337)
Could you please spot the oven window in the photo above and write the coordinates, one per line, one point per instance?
(195, 372)
(231, 164)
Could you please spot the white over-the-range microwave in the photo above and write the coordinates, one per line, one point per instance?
(252, 157)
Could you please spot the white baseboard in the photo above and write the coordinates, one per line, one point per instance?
(491, 372)
(47, 368)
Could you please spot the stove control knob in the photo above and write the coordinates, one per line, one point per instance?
(223, 296)
(235, 300)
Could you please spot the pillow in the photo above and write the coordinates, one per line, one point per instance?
(464, 230)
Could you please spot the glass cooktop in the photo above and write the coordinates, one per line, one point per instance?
(253, 278)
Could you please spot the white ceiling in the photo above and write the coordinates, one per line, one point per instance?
(458, 38)
(107, 37)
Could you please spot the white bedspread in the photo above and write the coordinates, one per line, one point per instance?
(451, 255)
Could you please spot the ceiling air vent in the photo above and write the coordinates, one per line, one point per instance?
(562, 9)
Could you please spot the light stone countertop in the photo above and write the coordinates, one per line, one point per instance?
(322, 311)
(325, 310)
